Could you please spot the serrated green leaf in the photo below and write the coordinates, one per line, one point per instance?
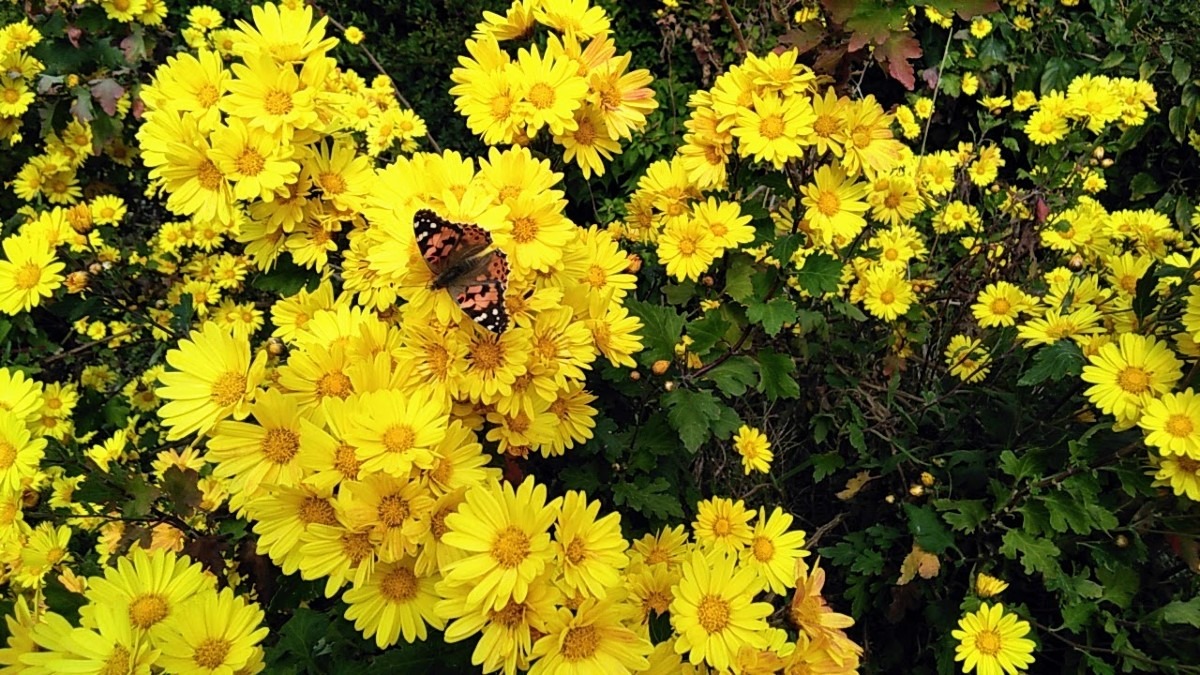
(1066, 514)
(1054, 362)
(820, 274)
(772, 315)
(1057, 74)
(963, 515)
(661, 329)
(824, 464)
(785, 246)
(1179, 612)
(692, 414)
(707, 331)
(927, 529)
(680, 293)
(775, 372)
(735, 375)
(1037, 554)
(737, 278)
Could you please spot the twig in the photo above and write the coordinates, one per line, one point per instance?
(383, 71)
(938, 88)
(737, 30)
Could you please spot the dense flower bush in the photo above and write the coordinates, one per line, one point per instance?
(783, 364)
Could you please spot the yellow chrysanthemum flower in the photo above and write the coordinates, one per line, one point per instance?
(714, 611)
(1127, 374)
(991, 640)
(1172, 423)
(754, 448)
(224, 641)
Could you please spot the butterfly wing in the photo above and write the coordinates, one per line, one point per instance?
(480, 292)
(458, 257)
(437, 239)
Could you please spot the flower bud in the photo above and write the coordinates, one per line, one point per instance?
(1122, 541)
(927, 479)
(634, 263)
(916, 490)
(1075, 263)
(660, 366)
(1106, 163)
(1098, 153)
(77, 282)
(635, 375)
(669, 385)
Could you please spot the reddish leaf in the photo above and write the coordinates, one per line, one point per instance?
(840, 10)
(894, 54)
(73, 34)
(875, 25)
(931, 77)
(828, 60)
(106, 92)
(1041, 211)
(138, 108)
(803, 39)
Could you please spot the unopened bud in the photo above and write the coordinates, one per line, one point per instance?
(669, 385)
(927, 479)
(916, 490)
(1075, 263)
(274, 346)
(635, 375)
(1106, 163)
(1122, 541)
(634, 263)
(891, 499)
(660, 366)
(77, 282)
(95, 268)
(1098, 153)
(707, 280)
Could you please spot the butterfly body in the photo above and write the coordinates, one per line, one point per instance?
(463, 262)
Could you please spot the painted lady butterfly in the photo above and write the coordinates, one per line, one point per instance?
(461, 262)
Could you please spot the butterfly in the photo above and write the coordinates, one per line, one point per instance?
(464, 263)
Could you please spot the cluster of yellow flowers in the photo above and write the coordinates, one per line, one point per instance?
(576, 87)
(19, 70)
(353, 440)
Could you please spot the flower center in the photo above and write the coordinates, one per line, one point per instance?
(829, 204)
(501, 106)
(486, 355)
(393, 510)
(399, 438)
(771, 127)
(28, 276)
(657, 555)
(334, 383)
(147, 610)
(721, 527)
(437, 523)
(1179, 425)
(211, 653)
(8, 454)
(861, 136)
(887, 297)
(656, 601)
(597, 277)
(399, 585)
(687, 246)
(356, 546)
(576, 551)
(713, 613)
(207, 95)
(512, 616)
(541, 95)
(345, 461)
(580, 643)
(332, 183)
(317, 510)
(209, 176)
(1133, 380)
(585, 134)
(1001, 306)
(988, 642)
(510, 547)
(524, 230)
(1187, 465)
(117, 662)
(891, 254)
(229, 388)
(280, 445)
(764, 550)
(277, 102)
(250, 163)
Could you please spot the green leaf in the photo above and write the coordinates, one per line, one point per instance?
(707, 331)
(287, 278)
(1179, 612)
(1144, 295)
(1181, 70)
(963, 515)
(737, 278)
(1057, 74)
(820, 274)
(692, 414)
(772, 315)
(1054, 362)
(785, 246)
(734, 375)
(1037, 553)
(1143, 185)
(1066, 513)
(927, 529)
(681, 293)
(824, 464)
(662, 328)
(654, 499)
(775, 371)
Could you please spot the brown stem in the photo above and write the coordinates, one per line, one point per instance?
(737, 30)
